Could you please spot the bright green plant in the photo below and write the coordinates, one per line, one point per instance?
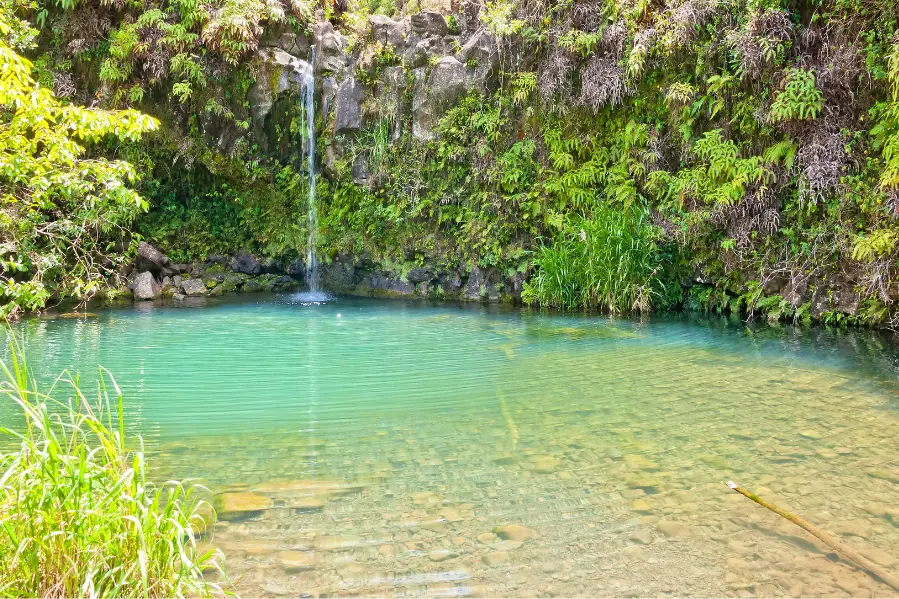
(800, 99)
(64, 215)
(609, 261)
(77, 513)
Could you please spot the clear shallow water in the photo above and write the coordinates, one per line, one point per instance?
(384, 441)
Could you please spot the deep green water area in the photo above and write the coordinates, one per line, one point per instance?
(364, 447)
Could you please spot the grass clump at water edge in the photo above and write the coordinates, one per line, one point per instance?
(78, 516)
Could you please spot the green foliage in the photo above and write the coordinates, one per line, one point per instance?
(800, 99)
(64, 215)
(78, 514)
(609, 261)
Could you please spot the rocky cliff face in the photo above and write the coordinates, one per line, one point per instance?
(405, 72)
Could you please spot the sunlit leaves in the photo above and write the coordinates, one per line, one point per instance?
(60, 209)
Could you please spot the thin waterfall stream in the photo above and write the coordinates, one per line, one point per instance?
(311, 267)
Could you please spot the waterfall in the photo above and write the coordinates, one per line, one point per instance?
(307, 100)
(312, 208)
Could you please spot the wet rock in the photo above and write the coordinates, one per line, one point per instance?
(296, 268)
(893, 477)
(232, 506)
(496, 558)
(385, 550)
(508, 545)
(458, 541)
(245, 263)
(337, 543)
(282, 283)
(487, 538)
(146, 287)
(642, 537)
(272, 588)
(280, 71)
(440, 555)
(252, 286)
(673, 529)
(178, 297)
(640, 505)
(881, 557)
(545, 464)
(858, 528)
(419, 275)
(149, 259)
(811, 434)
(295, 561)
(513, 532)
(194, 287)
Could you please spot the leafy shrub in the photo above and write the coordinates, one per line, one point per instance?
(78, 515)
(800, 99)
(63, 215)
(608, 261)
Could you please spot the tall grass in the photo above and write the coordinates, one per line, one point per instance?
(78, 516)
(609, 261)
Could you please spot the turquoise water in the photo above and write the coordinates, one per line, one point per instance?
(380, 443)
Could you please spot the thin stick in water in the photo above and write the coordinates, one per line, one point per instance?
(828, 539)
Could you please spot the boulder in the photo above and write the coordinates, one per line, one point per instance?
(145, 287)
(149, 259)
(390, 90)
(387, 31)
(385, 286)
(194, 287)
(432, 98)
(245, 263)
(329, 45)
(480, 55)
(475, 288)
(296, 268)
(419, 275)
(348, 107)
(429, 22)
(252, 286)
(280, 71)
(419, 50)
(282, 283)
(272, 266)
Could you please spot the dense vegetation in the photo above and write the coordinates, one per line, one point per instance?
(627, 154)
(78, 516)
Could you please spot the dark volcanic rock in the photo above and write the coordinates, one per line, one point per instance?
(417, 275)
(149, 259)
(246, 263)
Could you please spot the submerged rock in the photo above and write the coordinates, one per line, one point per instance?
(295, 561)
(513, 532)
(232, 506)
(440, 555)
(496, 558)
(337, 543)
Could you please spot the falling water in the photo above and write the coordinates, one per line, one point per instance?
(312, 209)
